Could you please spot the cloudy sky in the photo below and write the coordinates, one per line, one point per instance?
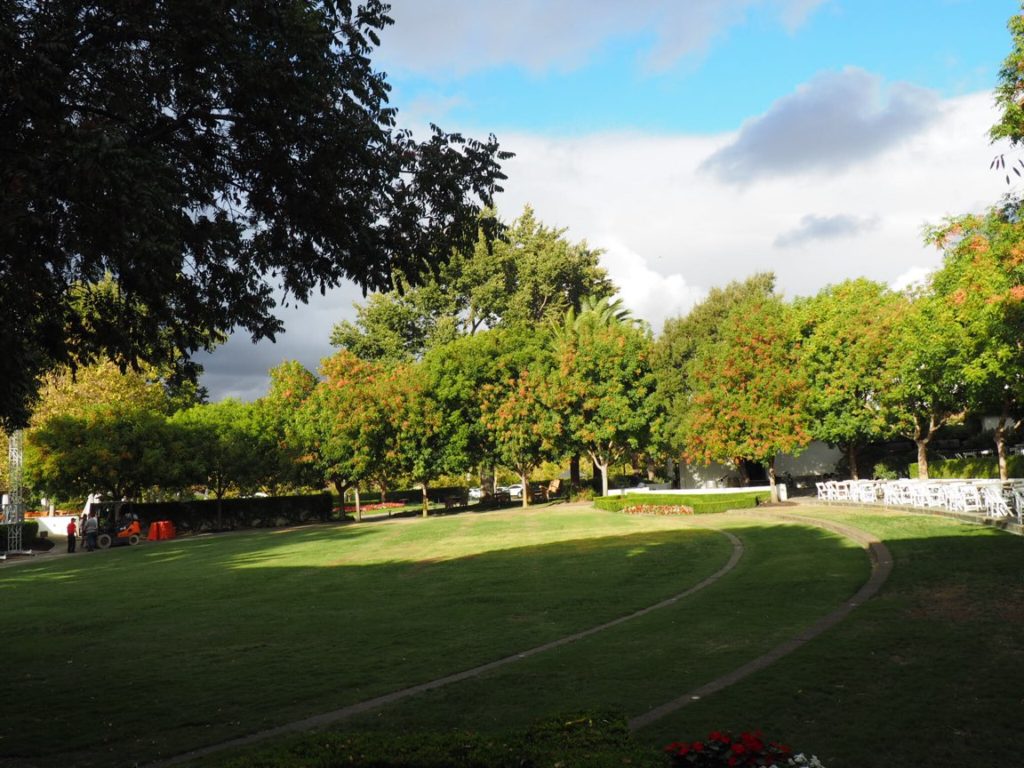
(699, 141)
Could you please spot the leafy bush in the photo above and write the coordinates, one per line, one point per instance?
(593, 740)
(883, 471)
(701, 504)
(975, 466)
(29, 533)
(203, 514)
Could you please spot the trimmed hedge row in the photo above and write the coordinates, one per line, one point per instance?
(975, 466)
(29, 533)
(209, 514)
(702, 503)
(595, 741)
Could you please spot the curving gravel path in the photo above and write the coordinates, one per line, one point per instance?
(881, 567)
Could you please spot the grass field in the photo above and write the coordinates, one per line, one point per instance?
(175, 645)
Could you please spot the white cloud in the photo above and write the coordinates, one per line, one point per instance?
(644, 196)
(650, 295)
(671, 232)
(834, 122)
(914, 277)
(446, 36)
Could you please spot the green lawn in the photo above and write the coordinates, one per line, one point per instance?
(173, 645)
(180, 644)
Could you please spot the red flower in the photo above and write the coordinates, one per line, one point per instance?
(738, 748)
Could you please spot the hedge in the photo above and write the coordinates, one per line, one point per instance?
(29, 533)
(592, 740)
(702, 503)
(209, 514)
(975, 466)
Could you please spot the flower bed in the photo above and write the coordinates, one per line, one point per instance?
(377, 505)
(658, 509)
(748, 749)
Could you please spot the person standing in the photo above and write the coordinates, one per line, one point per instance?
(91, 529)
(72, 532)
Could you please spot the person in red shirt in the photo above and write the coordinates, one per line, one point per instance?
(72, 532)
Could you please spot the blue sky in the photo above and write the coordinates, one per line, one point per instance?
(738, 71)
(698, 141)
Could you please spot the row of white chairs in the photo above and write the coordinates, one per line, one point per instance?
(988, 497)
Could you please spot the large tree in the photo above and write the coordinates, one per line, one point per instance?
(846, 332)
(602, 384)
(747, 394)
(528, 276)
(682, 339)
(204, 156)
(982, 285)
(923, 373)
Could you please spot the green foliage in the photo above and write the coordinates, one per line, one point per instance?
(846, 329)
(191, 152)
(602, 386)
(601, 740)
(224, 447)
(274, 420)
(116, 452)
(528, 277)
(702, 503)
(923, 374)
(883, 471)
(682, 339)
(347, 425)
(975, 466)
(1010, 89)
(748, 395)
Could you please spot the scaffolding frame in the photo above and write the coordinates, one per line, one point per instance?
(14, 511)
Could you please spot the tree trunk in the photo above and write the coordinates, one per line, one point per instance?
(603, 468)
(599, 481)
(359, 509)
(426, 500)
(652, 472)
(741, 466)
(922, 438)
(574, 473)
(773, 489)
(922, 458)
(526, 489)
(1000, 438)
(851, 459)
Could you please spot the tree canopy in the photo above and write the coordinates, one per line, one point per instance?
(206, 157)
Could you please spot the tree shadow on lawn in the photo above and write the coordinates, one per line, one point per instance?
(212, 639)
(931, 672)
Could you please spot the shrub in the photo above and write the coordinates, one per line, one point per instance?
(975, 466)
(204, 514)
(593, 740)
(701, 504)
(29, 533)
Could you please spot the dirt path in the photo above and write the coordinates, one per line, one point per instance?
(881, 567)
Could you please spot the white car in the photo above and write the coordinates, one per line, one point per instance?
(476, 493)
(516, 491)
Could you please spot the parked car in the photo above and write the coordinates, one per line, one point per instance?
(476, 493)
(516, 491)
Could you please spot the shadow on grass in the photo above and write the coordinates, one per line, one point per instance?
(231, 634)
